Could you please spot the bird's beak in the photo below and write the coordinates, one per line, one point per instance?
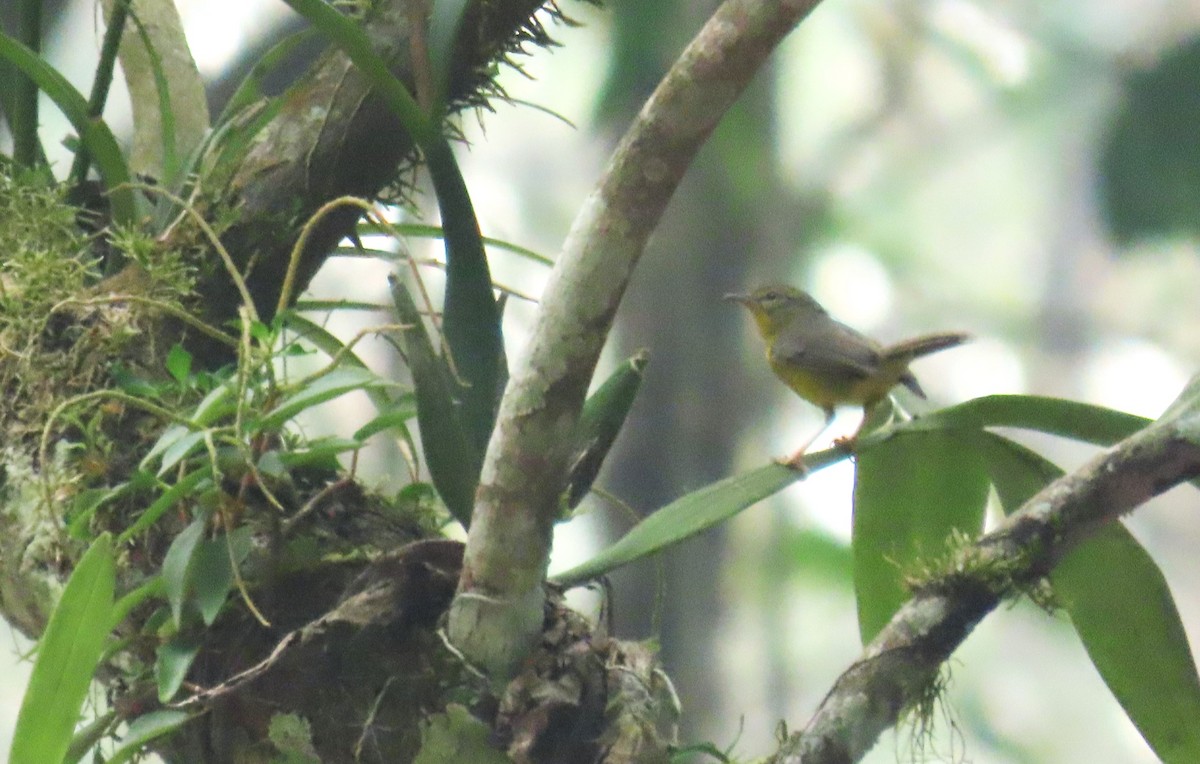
(744, 299)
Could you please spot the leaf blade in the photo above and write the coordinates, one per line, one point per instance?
(685, 517)
(911, 492)
(69, 652)
(1121, 607)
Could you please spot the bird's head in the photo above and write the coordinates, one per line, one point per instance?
(777, 306)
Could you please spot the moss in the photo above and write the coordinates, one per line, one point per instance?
(63, 328)
(32, 550)
(964, 562)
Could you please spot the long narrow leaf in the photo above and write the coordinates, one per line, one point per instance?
(70, 649)
(404, 409)
(444, 25)
(144, 729)
(102, 81)
(1069, 419)
(166, 127)
(23, 119)
(424, 230)
(472, 320)
(178, 562)
(603, 415)
(911, 493)
(173, 661)
(328, 343)
(471, 317)
(1126, 617)
(172, 496)
(1122, 609)
(94, 133)
(325, 388)
(89, 735)
(453, 459)
(689, 515)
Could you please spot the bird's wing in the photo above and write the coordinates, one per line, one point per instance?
(839, 352)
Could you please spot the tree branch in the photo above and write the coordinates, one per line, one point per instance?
(497, 614)
(334, 137)
(899, 665)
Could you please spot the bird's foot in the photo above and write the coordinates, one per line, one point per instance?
(846, 443)
(793, 461)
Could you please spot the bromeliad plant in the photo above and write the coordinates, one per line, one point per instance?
(160, 435)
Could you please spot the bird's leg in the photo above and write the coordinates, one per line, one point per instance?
(795, 460)
(849, 441)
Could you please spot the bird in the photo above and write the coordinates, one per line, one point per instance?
(828, 363)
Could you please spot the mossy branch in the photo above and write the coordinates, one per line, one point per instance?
(333, 137)
(901, 663)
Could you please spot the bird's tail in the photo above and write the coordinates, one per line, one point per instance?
(924, 345)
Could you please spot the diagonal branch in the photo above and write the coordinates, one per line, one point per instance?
(898, 666)
(498, 612)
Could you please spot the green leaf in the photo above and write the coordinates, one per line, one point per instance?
(457, 735)
(911, 492)
(329, 344)
(146, 728)
(210, 575)
(321, 453)
(152, 587)
(170, 498)
(69, 651)
(179, 363)
(454, 460)
(1016, 471)
(181, 448)
(470, 315)
(89, 735)
(219, 401)
(404, 409)
(162, 89)
(424, 230)
(472, 320)
(174, 659)
(291, 735)
(176, 564)
(1122, 609)
(601, 420)
(444, 24)
(93, 132)
(1069, 419)
(687, 516)
(270, 464)
(324, 388)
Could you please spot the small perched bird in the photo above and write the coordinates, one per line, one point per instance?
(826, 362)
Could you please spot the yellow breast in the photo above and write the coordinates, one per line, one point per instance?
(828, 390)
